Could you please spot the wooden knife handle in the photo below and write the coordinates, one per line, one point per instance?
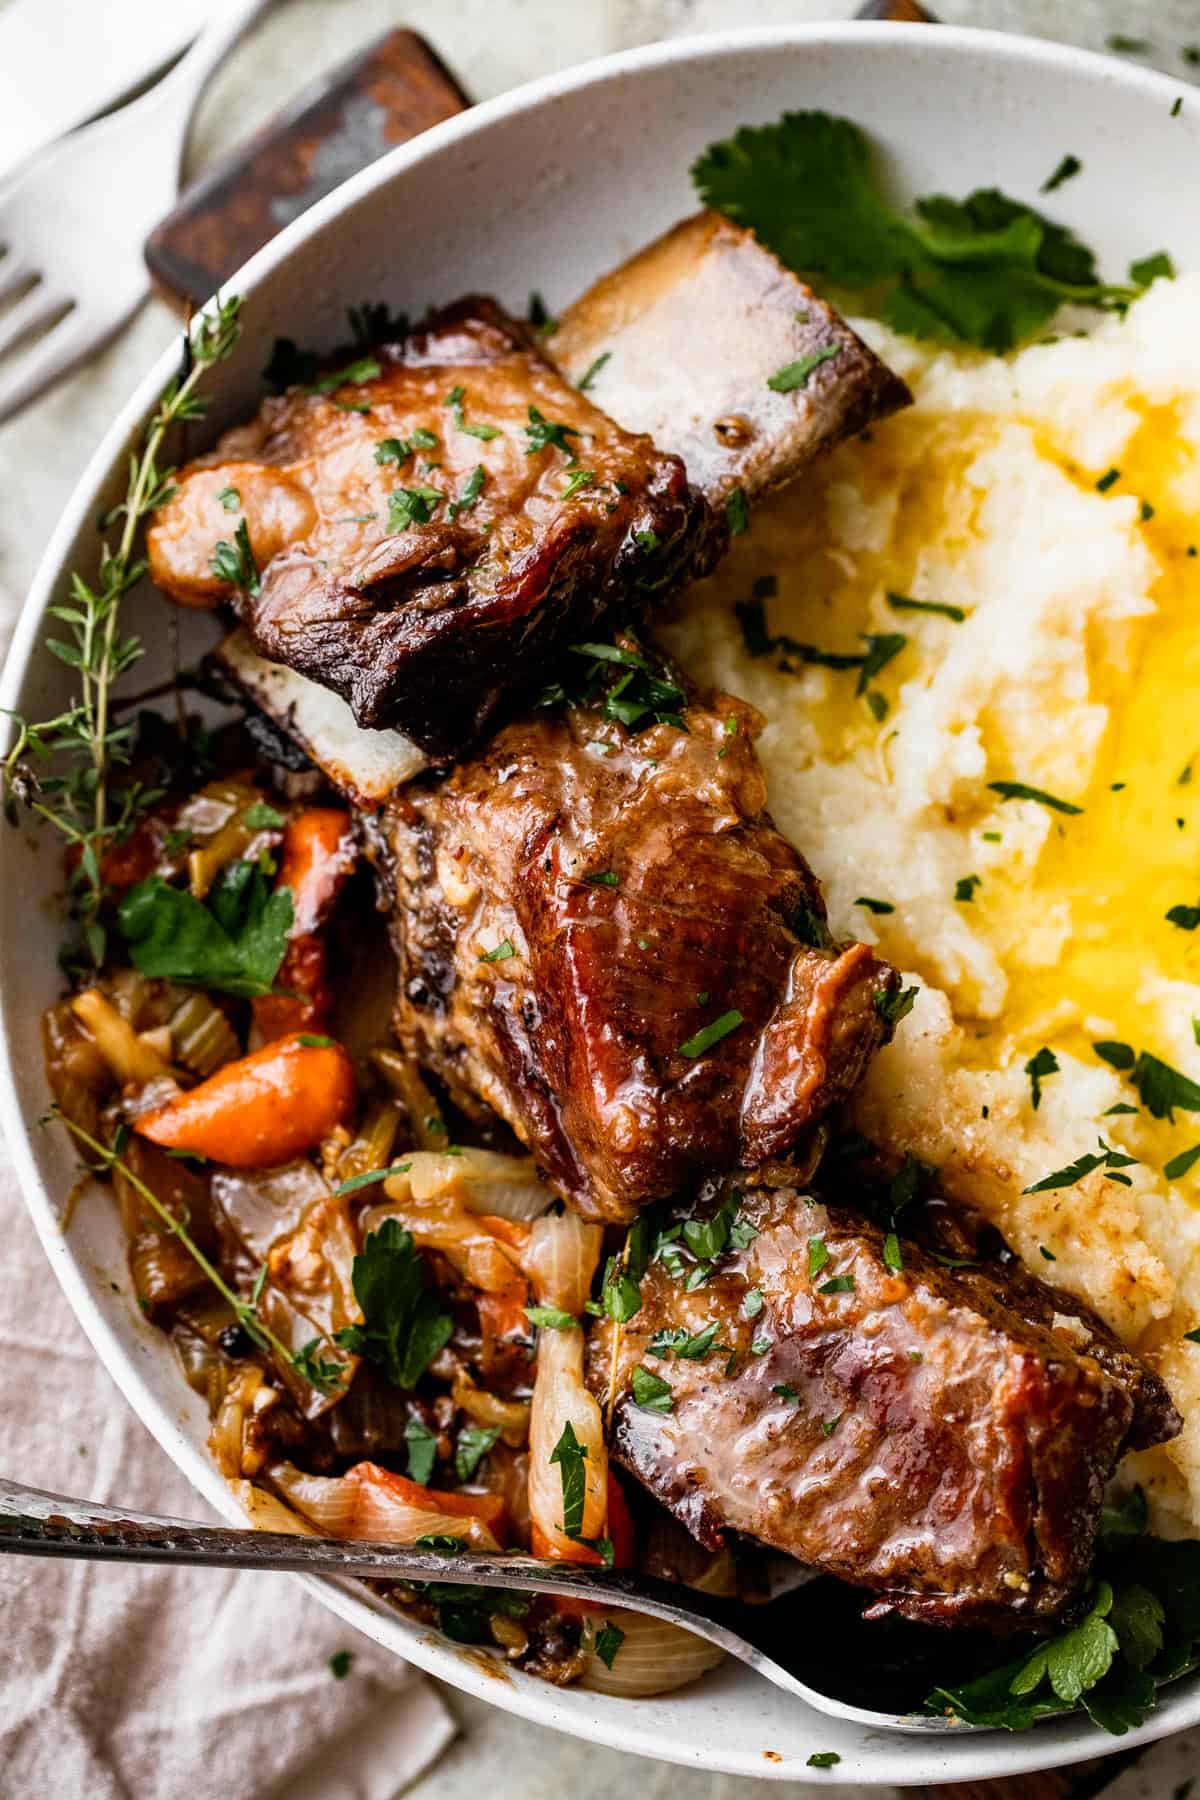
(389, 92)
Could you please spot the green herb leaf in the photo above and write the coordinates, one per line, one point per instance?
(690, 1347)
(892, 1007)
(875, 906)
(593, 369)
(704, 1039)
(367, 368)
(882, 647)
(370, 1176)
(474, 1442)
(261, 817)
(1018, 790)
(1105, 1158)
(795, 375)
(234, 944)
(551, 1318)
(737, 512)
(1152, 268)
(393, 450)
(235, 564)
(340, 1664)
(650, 1391)
(503, 951)
(1163, 1088)
(604, 878)
(422, 1450)
(577, 479)
(412, 506)
(540, 317)
(892, 1257)
(1186, 917)
(785, 1390)
(837, 1284)
(964, 887)
(1179, 1165)
(230, 498)
(471, 489)
(752, 1303)
(818, 1256)
(1038, 1068)
(404, 1325)
(1120, 1056)
(544, 434)
(823, 1759)
(570, 1456)
(904, 603)
(1068, 167)
(609, 1639)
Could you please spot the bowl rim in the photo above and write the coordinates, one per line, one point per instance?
(994, 1754)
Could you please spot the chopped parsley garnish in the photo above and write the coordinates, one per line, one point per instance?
(404, 1325)
(454, 401)
(1152, 268)
(1069, 166)
(540, 316)
(837, 1284)
(341, 1663)
(892, 1256)
(737, 512)
(230, 498)
(785, 1390)
(234, 943)
(964, 887)
(1116, 1054)
(577, 479)
(752, 1303)
(1038, 1068)
(261, 817)
(1124, 45)
(474, 1442)
(544, 434)
(892, 1007)
(707, 1238)
(648, 541)
(1018, 790)
(823, 1759)
(829, 1426)
(1179, 1165)
(690, 1347)
(795, 375)
(905, 603)
(570, 1456)
(323, 1373)
(471, 490)
(393, 450)
(235, 562)
(442, 1542)
(1111, 1161)
(1186, 917)
(504, 949)
(421, 1444)
(620, 1291)
(704, 1039)
(367, 368)
(874, 906)
(650, 1391)
(1163, 1088)
(593, 369)
(882, 647)
(986, 270)
(1109, 479)
(412, 506)
(370, 1177)
(818, 1256)
(609, 1639)
(604, 878)
(551, 1318)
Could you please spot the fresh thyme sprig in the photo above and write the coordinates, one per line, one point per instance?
(305, 1363)
(80, 801)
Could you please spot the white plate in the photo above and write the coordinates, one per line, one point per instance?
(545, 188)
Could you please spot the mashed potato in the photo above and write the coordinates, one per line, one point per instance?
(1053, 499)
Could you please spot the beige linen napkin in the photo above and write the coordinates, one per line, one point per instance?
(154, 1684)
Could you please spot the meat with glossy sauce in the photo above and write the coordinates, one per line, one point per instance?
(576, 906)
(427, 532)
(942, 1435)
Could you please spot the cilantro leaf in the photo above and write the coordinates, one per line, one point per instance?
(234, 944)
(986, 270)
(474, 1442)
(422, 1450)
(404, 1325)
(570, 1455)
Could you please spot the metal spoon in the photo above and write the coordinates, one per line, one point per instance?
(36, 1523)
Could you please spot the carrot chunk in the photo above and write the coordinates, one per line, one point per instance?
(264, 1109)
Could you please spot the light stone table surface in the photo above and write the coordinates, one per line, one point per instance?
(492, 45)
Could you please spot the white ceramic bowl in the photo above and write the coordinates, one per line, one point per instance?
(547, 187)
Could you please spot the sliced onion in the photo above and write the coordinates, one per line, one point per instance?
(654, 1657)
(560, 1399)
(266, 1513)
(131, 1061)
(227, 1438)
(560, 1261)
(512, 1416)
(487, 1181)
(443, 1223)
(264, 1205)
(368, 1506)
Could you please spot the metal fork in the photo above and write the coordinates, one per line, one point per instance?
(35, 1523)
(73, 222)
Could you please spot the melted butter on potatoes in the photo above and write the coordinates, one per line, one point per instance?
(1076, 671)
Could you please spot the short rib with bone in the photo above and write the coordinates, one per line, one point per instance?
(424, 527)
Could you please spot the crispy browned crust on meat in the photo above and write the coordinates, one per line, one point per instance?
(924, 1431)
(426, 627)
(636, 892)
